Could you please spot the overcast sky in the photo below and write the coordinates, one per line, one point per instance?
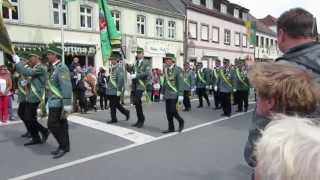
(261, 8)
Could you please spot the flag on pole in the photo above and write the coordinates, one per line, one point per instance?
(109, 36)
(251, 27)
(5, 42)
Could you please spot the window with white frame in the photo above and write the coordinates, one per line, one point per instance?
(56, 13)
(141, 25)
(193, 30)
(86, 17)
(244, 40)
(271, 42)
(223, 8)
(10, 14)
(262, 42)
(227, 37)
(244, 16)
(204, 32)
(159, 27)
(203, 2)
(236, 13)
(172, 29)
(215, 34)
(237, 39)
(116, 18)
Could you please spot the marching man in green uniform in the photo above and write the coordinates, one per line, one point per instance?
(214, 80)
(59, 101)
(241, 87)
(115, 88)
(173, 92)
(202, 83)
(140, 76)
(22, 92)
(189, 85)
(224, 84)
(35, 95)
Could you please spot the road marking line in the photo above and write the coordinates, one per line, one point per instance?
(10, 123)
(108, 153)
(125, 133)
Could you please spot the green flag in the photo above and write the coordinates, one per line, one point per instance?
(5, 42)
(251, 27)
(109, 36)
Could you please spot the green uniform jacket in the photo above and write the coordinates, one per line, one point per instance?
(202, 78)
(173, 77)
(188, 80)
(224, 81)
(37, 84)
(240, 84)
(22, 83)
(214, 77)
(116, 81)
(143, 72)
(60, 79)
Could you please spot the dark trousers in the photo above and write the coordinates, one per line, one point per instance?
(75, 97)
(217, 101)
(186, 99)
(114, 105)
(137, 96)
(103, 101)
(21, 113)
(171, 111)
(59, 128)
(93, 101)
(202, 93)
(83, 101)
(32, 124)
(243, 98)
(226, 102)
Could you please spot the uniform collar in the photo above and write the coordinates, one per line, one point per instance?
(56, 63)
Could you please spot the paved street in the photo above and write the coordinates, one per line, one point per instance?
(211, 147)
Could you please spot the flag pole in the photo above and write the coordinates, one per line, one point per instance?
(62, 30)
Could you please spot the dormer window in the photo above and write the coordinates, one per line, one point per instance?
(223, 8)
(244, 16)
(236, 13)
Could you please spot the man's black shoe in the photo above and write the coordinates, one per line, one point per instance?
(60, 153)
(26, 135)
(33, 142)
(140, 125)
(167, 131)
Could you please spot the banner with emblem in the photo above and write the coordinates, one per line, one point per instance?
(109, 36)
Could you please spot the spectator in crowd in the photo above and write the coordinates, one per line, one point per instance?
(75, 79)
(74, 64)
(289, 150)
(102, 88)
(82, 92)
(280, 88)
(155, 85)
(5, 88)
(92, 82)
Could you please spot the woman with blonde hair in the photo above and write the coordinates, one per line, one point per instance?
(280, 88)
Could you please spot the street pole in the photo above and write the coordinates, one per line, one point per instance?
(62, 30)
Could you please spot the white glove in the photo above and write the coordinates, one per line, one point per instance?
(118, 93)
(24, 82)
(180, 99)
(16, 59)
(208, 87)
(133, 76)
(234, 90)
(193, 89)
(161, 96)
(215, 88)
(67, 109)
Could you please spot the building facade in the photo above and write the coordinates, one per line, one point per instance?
(153, 25)
(157, 27)
(216, 30)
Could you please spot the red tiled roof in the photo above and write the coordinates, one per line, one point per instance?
(269, 20)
